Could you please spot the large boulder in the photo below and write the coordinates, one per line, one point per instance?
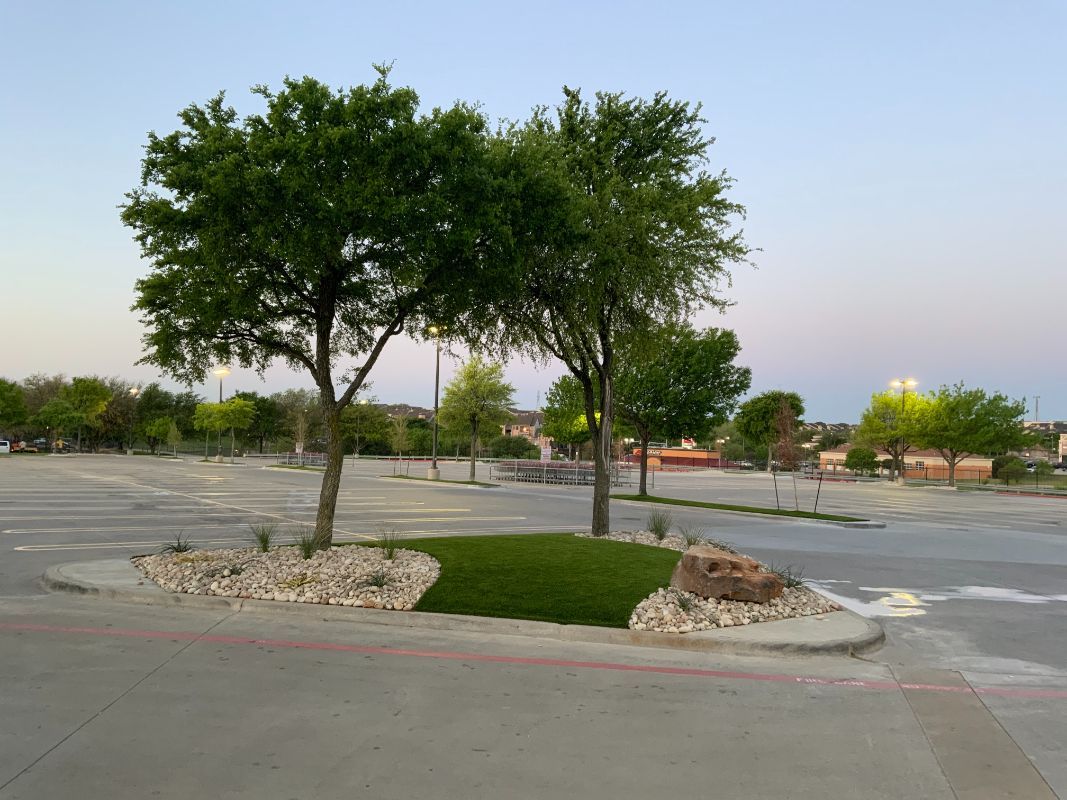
(714, 573)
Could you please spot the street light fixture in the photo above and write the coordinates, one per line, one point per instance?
(220, 373)
(903, 384)
(433, 473)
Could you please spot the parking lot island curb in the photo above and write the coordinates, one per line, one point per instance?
(841, 632)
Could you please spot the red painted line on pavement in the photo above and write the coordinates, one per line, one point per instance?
(807, 680)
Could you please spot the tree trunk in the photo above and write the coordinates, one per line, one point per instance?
(952, 469)
(331, 479)
(474, 450)
(642, 484)
(231, 445)
(770, 457)
(602, 458)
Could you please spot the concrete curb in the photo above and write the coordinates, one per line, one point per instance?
(872, 637)
(863, 523)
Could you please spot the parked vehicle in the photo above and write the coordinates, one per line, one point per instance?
(5, 447)
(41, 442)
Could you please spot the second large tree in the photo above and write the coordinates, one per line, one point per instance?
(619, 228)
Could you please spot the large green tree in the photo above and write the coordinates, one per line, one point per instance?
(268, 421)
(476, 398)
(891, 423)
(564, 413)
(312, 233)
(237, 415)
(959, 422)
(13, 410)
(618, 227)
(675, 381)
(88, 397)
(759, 419)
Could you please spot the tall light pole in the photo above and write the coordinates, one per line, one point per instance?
(220, 373)
(904, 384)
(135, 391)
(433, 473)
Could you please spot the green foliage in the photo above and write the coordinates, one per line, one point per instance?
(513, 447)
(757, 418)
(892, 423)
(1043, 469)
(174, 435)
(314, 232)
(88, 397)
(157, 431)
(476, 398)
(268, 421)
(264, 535)
(39, 389)
(208, 417)
(59, 417)
(565, 412)
(862, 459)
(674, 381)
(960, 422)
(660, 522)
(306, 542)
(179, 544)
(792, 577)
(366, 429)
(617, 227)
(692, 535)
(686, 601)
(13, 409)
(378, 578)
(236, 413)
(566, 579)
(389, 540)
(399, 433)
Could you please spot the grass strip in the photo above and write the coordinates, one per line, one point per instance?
(296, 466)
(551, 577)
(442, 480)
(774, 512)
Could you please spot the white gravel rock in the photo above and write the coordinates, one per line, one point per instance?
(671, 610)
(338, 576)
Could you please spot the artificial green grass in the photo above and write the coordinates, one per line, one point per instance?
(442, 480)
(776, 512)
(552, 577)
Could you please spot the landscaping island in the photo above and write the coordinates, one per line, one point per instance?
(619, 581)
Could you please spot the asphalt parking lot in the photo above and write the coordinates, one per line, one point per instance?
(967, 584)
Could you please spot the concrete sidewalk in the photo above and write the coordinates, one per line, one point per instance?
(842, 632)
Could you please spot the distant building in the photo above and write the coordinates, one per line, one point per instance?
(404, 410)
(917, 463)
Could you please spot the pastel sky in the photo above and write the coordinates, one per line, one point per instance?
(903, 165)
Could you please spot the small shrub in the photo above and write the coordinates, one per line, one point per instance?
(306, 542)
(378, 578)
(389, 542)
(659, 523)
(692, 534)
(264, 535)
(792, 577)
(180, 544)
(684, 601)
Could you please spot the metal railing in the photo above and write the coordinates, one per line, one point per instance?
(557, 473)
